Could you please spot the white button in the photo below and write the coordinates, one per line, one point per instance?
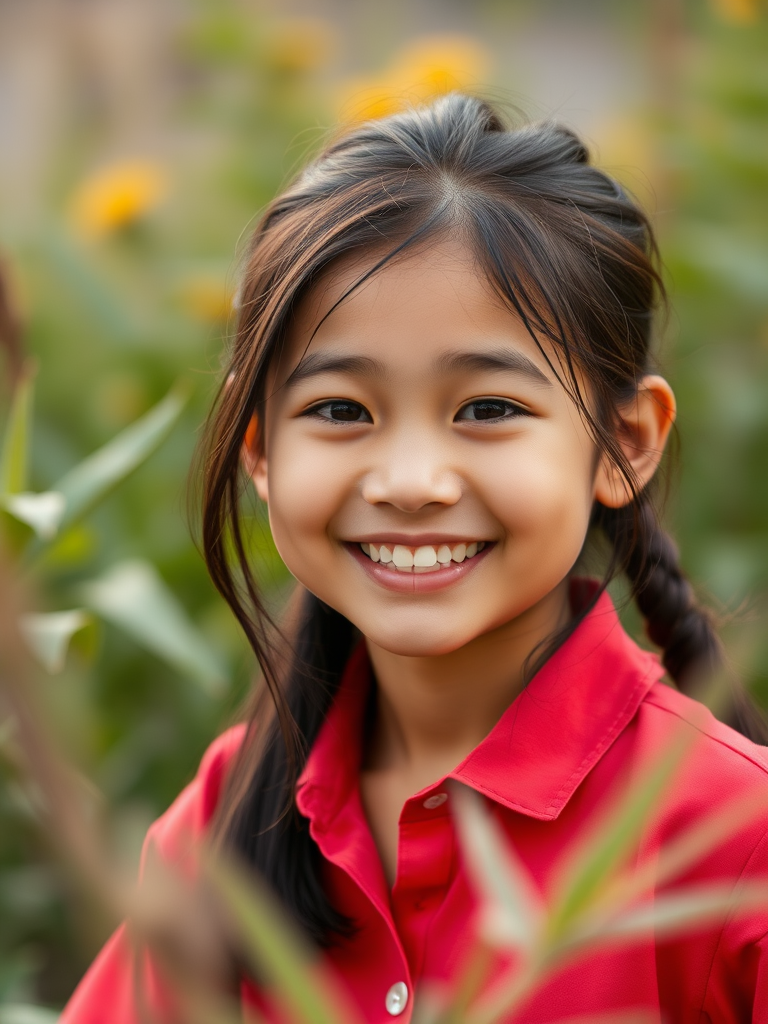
(436, 800)
(397, 997)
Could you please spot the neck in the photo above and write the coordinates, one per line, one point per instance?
(432, 711)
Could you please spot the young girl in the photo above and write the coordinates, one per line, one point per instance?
(441, 386)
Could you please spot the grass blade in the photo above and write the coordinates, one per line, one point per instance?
(511, 914)
(683, 909)
(15, 450)
(589, 870)
(275, 949)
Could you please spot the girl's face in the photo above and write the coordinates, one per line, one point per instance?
(423, 424)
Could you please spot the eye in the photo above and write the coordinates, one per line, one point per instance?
(341, 411)
(490, 409)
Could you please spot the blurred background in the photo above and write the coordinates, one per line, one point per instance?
(138, 140)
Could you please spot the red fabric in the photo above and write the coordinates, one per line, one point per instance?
(594, 716)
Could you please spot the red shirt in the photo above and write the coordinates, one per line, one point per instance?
(593, 716)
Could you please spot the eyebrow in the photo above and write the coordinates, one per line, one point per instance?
(500, 360)
(315, 363)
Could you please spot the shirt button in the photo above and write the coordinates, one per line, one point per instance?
(397, 997)
(436, 800)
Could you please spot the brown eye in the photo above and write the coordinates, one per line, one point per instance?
(490, 409)
(341, 412)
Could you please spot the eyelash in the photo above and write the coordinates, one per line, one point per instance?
(514, 411)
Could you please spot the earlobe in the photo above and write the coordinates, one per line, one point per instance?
(645, 426)
(254, 459)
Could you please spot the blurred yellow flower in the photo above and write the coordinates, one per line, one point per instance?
(117, 195)
(423, 70)
(435, 65)
(739, 12)
(624, 147)
(206, 297)
(298, 45)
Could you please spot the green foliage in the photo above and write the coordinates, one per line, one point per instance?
(148, 664)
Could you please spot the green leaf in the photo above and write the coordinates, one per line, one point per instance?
(590, 868)
(678, 910)
(89, 482)
(277, 950)
(43, 512)
(48, 635)
(15, 452)
(512, 913)
(134, 597)
(18, 1013)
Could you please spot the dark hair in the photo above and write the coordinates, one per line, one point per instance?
(574, 257)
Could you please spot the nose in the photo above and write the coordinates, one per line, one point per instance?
(411, 474)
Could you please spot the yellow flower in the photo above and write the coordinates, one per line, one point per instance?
(364, 99)
(116, 196)
(625, 148)
(739, 12)
(435, 65)
(206, 297)
(426, 68)
(299, 45)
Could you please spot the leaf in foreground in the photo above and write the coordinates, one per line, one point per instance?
(512, 913)
(134, 598)
(15, 450)
(43, 512)
(97, 475)
(274, 948)
(18, 1013)
(48, 635)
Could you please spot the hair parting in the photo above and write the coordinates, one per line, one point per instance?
(574, 257)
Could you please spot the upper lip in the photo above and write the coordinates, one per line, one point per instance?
(415, 540)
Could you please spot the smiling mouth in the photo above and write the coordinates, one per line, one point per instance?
(424, 559)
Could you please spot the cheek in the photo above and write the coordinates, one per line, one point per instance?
(545, 496)
(305, 491)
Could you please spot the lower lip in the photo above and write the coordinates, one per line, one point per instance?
(416, 582)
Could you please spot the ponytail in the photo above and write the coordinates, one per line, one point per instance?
(685, 631)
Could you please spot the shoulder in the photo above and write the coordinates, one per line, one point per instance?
(190, 814)
(669, 710)
(722, 776)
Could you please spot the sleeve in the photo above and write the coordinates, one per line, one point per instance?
(123, 986)
(737, 988)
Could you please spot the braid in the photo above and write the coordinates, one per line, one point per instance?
(675, 622)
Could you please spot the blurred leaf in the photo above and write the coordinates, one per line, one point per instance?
(280, 952)
(14, 458)
(49, 635)
(43, 512)
(590, 868)
(512, 913)
(737, 262)
(133, 597)
(678, 911)
(94, 478)
(20, 1014)
(115, 315)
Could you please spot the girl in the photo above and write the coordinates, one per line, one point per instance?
(442, 388)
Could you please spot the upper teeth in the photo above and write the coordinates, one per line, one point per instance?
(422, 559)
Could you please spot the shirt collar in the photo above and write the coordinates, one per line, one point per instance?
(542, 747)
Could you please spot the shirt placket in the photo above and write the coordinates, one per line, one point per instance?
(425, 865)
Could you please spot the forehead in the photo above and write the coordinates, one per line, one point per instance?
(434, 298)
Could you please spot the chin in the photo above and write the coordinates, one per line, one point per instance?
(417, 643)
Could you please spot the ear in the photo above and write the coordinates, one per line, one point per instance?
(645, 425)
(254, 458)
